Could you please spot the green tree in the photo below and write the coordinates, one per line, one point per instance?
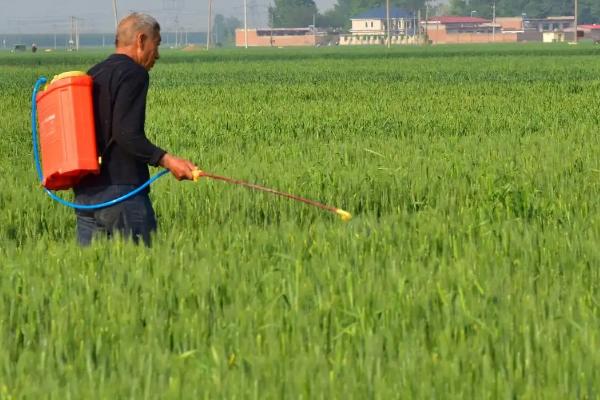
(224, 30)
(589, 10)
(343, 10)
(292, 13)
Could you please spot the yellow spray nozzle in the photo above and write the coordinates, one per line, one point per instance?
(344, 215)
(197, 173)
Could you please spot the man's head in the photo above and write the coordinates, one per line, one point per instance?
(138, 36)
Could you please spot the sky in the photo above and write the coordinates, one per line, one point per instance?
(48, 16)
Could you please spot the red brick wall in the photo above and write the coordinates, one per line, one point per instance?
(510, 23)
(441, 37)
(278, 41)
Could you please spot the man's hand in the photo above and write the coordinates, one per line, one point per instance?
(180, 168)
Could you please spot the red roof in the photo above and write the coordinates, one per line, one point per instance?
(458, 20)
(590, 26)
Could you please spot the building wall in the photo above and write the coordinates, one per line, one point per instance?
(510, 23)
(440, 36)
(367, 26)
(529, 36)
(549, 24)
(553, 37)
(398, 25)
(451, 28)
(546, 37)
(358, 40)
(277, 41)
(593, 34)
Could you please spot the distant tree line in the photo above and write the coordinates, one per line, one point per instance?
(589, 10)
(301, 13)
(343, 10)
(223, 31)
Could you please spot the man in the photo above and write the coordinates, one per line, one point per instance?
(120, 88)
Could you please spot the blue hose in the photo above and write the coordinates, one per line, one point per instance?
(36, 157)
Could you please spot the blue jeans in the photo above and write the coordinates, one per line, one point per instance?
(133, 218)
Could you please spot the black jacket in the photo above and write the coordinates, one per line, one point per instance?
(120, 89)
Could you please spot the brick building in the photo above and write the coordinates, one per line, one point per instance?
(548, 30)
(549, 24)
(510, 24)
(591, 31)
(283, 37)
(456, 29)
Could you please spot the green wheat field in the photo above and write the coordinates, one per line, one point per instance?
(471, 268)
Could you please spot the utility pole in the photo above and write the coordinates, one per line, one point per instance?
(387, 17)
(427, 21)
(271, 41)
(177, 31)
(494, 22)
(71, 41)
(77, 34)
(246, 24)
(419, 26)
(209, 24)
(414, 18)
(576, 12)
(115, 14)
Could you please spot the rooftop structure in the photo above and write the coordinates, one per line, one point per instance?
(590, 31)
(458, 20)
(510, 24)
(459, 29)
(370, 27)
(549, 24)
(374, 22)
(457, 24)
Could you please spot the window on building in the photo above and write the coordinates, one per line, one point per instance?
(366, 24)
(371, 24)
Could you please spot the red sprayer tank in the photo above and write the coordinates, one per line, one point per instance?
(67, 130)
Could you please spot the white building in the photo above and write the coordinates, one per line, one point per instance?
(370, 27)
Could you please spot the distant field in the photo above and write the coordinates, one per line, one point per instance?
(471, 268)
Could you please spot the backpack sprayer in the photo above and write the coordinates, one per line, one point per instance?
(68, 143)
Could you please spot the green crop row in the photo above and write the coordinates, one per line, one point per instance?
(470, 269)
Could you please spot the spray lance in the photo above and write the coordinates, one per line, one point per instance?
(344, 215)
(68, 143)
